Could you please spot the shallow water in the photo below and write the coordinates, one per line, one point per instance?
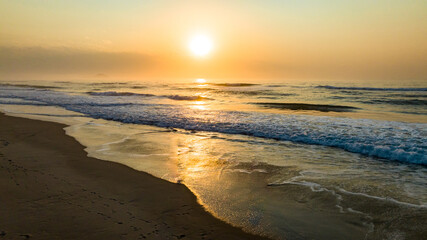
(287, 173)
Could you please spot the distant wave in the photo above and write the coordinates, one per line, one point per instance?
(400, 141)
(197, 89)
(63, 82)
(237, 92)
(373, 89)
(109, 83)
(187, 98)
(114, 93)
(127, 94)
(233, 84)
(412, 102)
(255, 93)
(138, 87)
(248, 93)
(405, 95)
(306, 106)
(29, 86)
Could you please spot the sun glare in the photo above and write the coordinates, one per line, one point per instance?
(200, 80)
(200, 45)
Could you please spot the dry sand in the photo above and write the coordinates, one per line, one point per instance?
(50, 189)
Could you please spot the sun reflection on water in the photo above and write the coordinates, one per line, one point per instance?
(199, 105)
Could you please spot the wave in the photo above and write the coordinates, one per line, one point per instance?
(29, 86)
(114, 93)
(186, 98)
(247, 93)
(255, 93)
(237, 92)
(315, 187)
(373, 89)
(108, 83)
(398, 141)
(406, 95)
(197, 89)
(127, 94)
(413, 102)
(63, 82)
(138, 87)
(307, 107)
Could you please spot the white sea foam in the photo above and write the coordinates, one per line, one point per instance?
(315, 187)
(399, 141)
(247, 171)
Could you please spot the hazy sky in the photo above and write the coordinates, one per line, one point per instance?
(299, 39)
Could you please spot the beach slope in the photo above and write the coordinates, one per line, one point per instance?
(50, 189)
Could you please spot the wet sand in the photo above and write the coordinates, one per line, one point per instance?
(50, 189)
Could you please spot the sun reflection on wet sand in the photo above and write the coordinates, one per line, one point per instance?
(232, 179)
(198, 160)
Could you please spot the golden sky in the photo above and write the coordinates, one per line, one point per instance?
(274, 40)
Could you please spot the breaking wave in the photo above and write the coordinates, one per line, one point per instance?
(307, 107)
(127, 94)
(373, 89)
(400, 141)
(114, 93)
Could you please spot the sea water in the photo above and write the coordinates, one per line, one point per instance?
(293, 161)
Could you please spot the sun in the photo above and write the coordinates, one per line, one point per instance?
(200, 45)
(200, 80)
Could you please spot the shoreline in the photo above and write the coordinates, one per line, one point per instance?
(51, 189)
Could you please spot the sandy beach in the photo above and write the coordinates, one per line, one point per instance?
(50, 189)
(286, 120)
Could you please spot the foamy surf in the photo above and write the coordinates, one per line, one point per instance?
(397, 141)
(215, 165)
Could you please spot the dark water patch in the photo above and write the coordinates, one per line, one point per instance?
(53, 115)
(255, 93)
(337, 97)
(353, 98)
(372, 89)
(423, 95)
(412, 112)
(138, 87)
(351, 93)
(109, 83)
(23, 103)
(247, 93)
(267, 97)
(124, 94)
(307, 107)
(186, 98)
(408, 102)
(29, 86)
(63, 82)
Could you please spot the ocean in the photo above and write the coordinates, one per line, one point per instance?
(290, 160)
